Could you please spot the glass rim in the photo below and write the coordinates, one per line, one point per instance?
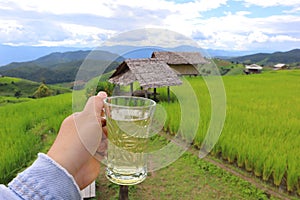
(152, 102)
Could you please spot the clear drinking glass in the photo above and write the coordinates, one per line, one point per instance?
(128, 122)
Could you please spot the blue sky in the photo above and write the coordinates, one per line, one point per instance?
(243, 25)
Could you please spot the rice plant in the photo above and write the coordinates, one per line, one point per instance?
(261, 131)
(24, 128)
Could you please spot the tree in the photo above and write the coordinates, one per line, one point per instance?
(18, 94)
(42, 91)
(105, 86)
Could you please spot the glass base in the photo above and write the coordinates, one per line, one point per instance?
(126, 179)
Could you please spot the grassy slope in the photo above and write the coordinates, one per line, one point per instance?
(9, 86)
(27, 128)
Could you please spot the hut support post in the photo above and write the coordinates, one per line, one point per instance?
(168, 94)
(131, 89)
(117, 89)
(154, 94)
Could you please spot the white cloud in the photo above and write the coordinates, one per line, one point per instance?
(284, 38)
(257, 36)
(238, 31)
(269, 3)
(10, 30)
(76, 35)
(82, 30)
(135, 13)
(9, 26)
(93, 7)
(150, 37)
(184, 10)
(205, 5)
(187, 16)
(116, 7)
(88, 23)
(294, 10)
(4, 7)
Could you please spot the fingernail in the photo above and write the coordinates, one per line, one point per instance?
(102, 94)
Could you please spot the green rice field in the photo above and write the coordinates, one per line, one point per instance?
(261, 133)
(27, 128)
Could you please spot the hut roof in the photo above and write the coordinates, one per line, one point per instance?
(179, 57)
(254, 66)
(279, 65)
(149, 72)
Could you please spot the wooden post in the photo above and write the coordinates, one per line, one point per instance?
(168, 94)
(131, 88)
(123, 192)
(154, 94)
(117, 90)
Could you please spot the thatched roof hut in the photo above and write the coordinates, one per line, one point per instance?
(149, 72)
(183, 63)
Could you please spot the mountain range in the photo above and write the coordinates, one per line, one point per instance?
(61, 67)
(270, 59)
(9, 54)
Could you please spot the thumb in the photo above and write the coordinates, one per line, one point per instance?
(94, 104)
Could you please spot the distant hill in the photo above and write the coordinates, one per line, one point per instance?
(61, 67)
(270, 59)
(10, 54)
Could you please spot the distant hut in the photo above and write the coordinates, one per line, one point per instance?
(149, 72)
(253, 69)
(183, 63)
(279, 66)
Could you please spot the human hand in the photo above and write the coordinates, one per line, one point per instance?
(80, 141)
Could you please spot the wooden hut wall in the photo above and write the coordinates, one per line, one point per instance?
(184, 69)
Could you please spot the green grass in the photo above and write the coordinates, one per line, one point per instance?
(187, 178)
